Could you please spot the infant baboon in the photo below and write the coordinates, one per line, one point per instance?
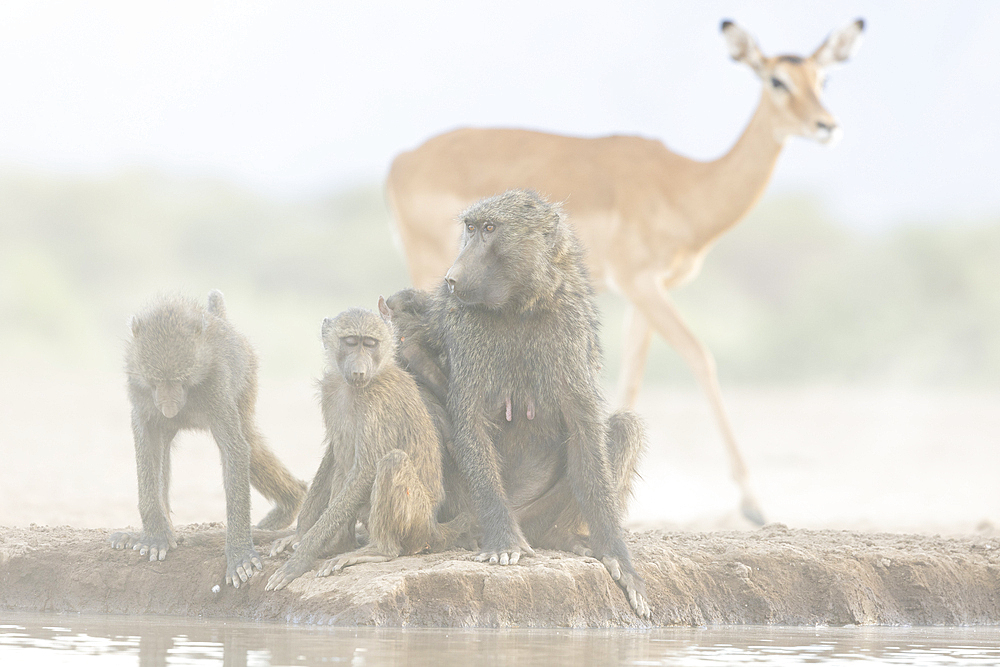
(408, 311)
(382, 464)
(517, 320)
(188, 368)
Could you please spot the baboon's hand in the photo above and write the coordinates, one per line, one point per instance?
(290, 542)
(632, 586)
(338, 563)
(292, 569)
(155, 545)
(240, 566)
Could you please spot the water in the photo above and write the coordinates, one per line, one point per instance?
(39, 640)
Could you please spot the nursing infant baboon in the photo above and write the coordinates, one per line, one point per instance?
(382, 464)
(517, 322)
(408, 311)
(188, 368)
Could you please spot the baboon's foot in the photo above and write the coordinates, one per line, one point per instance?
(632, 586)
(155, 544)
(751, 510)
(459, 533)
(579, 547)
(290, 570)
(517, 546)
(280, 516)
(240, 565)
(366, 554)
(287, 543)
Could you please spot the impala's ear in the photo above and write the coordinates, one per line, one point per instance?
(742, 47)
(840, 45)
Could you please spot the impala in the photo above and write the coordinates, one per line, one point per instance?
(646, 215)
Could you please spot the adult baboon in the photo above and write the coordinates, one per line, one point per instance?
(517, 320)
(188, 368)
(382, 464)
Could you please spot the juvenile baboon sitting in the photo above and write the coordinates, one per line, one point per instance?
(517, 322)
(188, 368)
(382, 464)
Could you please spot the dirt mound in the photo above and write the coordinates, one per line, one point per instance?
(774, 575)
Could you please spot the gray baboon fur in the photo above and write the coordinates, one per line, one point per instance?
(382, 464)
(517, 321)
(188, 368)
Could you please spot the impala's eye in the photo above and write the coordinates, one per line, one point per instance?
(778, 84)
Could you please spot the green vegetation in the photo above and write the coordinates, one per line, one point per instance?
(787, 296)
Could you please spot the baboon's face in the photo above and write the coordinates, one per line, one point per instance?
(505, 248)
(480, 274)
(360, 344)
(167, 375)
(165, 358)
(359, 357)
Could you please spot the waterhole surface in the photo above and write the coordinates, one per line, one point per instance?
(38, 640)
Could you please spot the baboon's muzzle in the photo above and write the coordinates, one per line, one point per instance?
(169, 398)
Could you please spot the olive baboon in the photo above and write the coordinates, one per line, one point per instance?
(382, 464)
(408, 311)
(188, 368)
(517, 320)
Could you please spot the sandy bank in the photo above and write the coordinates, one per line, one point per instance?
(774, 575)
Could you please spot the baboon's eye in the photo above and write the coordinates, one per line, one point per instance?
(349, 341)
(778, 83)
(369, 342)
(489, 227)
(471, 228)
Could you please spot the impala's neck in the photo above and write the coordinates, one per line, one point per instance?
(731, 185)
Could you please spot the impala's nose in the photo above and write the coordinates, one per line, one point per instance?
(827, 131)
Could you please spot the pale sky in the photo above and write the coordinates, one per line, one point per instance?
(304, 98)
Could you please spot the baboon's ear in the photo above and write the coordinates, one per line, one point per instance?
(558, 234)
(840, 45)
(216, 303)
(384, 310)
(135, 324)
(742, 47)
(326, 332)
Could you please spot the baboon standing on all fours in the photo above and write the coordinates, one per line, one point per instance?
(517, 320)
(188, 368)
(382, 463)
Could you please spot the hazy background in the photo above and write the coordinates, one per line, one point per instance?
(242, 146)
